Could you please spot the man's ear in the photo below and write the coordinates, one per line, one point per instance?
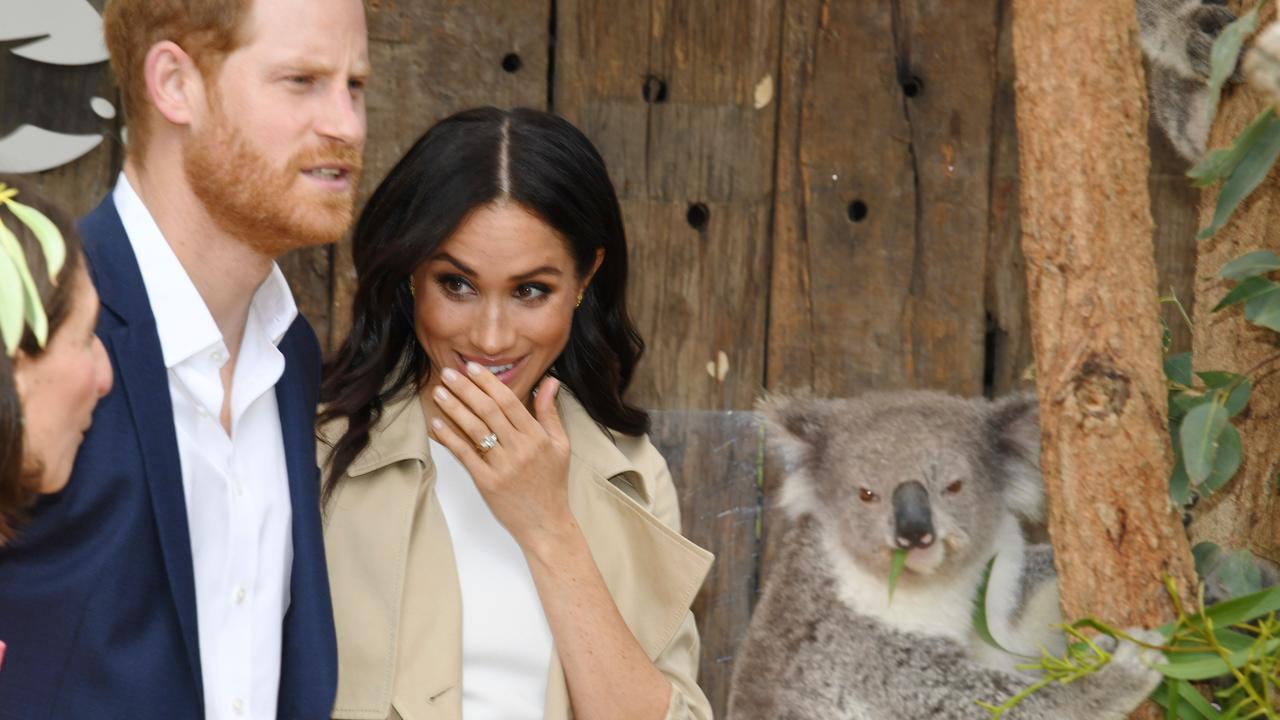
(174, 83)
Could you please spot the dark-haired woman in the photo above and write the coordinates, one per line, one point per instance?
(503, 540)
(47, 394)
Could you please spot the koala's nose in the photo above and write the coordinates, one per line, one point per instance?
(912, 517)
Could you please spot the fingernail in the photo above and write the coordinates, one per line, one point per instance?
(441, 393)
(437, 424)
(449, 375)
(474, 368)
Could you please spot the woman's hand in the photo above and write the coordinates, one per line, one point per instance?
(524, 477)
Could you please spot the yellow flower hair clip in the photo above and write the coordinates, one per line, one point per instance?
(19, 300)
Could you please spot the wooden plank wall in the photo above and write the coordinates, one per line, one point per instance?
(825, 192)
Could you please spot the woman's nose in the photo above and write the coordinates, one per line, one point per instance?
(493, 332)
(102, 366)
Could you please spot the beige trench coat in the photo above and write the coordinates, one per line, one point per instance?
(395, 586)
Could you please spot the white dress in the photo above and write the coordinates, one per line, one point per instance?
(506, 643)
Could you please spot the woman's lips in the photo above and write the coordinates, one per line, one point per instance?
(505, 369)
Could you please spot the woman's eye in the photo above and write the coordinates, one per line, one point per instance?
(532, 291)
(455, 285)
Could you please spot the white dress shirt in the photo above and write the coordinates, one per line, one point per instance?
(236, 487)
(506, 642)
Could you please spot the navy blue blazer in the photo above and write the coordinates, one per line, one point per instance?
(97, 597)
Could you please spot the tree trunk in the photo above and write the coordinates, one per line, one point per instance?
(1245, 513)
(1087, 236)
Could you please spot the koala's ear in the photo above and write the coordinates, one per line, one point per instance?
(794, 428)
(1015, 427)
(794, 425)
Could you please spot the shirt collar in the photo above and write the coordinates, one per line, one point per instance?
(183, 321)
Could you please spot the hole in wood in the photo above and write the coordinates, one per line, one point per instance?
(857, 211)
(698, 216)
(912, 86)
(655, 89)
(511, 62)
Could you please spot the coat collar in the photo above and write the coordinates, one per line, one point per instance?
(400, 433)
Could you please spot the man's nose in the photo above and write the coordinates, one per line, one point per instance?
(343, 118)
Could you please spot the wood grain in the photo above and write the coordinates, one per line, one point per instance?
(881, 218)
(703, 142)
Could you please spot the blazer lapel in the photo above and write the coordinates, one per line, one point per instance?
(308, 672)
(135, 349)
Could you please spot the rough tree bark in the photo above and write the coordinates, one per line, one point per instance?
(1087, 236)
(1245, 513)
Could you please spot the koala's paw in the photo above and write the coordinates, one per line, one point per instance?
(1131, 676)
(1205, 23)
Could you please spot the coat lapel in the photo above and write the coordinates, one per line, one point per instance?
(135, 349)
(309, 650)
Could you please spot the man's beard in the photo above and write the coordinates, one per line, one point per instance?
(268, 208)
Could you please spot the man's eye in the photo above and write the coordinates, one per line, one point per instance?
(301, 80)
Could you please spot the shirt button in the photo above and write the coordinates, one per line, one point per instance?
(240, 595)
(216, 355)
(238, 706)
(239, 489)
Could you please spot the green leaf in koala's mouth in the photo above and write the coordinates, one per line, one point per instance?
(895, 569)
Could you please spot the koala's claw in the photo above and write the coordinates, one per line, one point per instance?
(1132, 668)
(1208, 21)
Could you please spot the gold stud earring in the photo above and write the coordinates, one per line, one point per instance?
(413, 287)
(579, 299)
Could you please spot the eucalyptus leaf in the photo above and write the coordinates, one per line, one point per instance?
(1226, 54)
(980, 624)
(1244, 609)
(1180, 403)
(1199, 438)
(1179, 483)
(1217, 378)
(33, 308)
(896, 564)
(1225, 461)
(1239, 574)
(11, 305)
(1178, 368)
(1219, 163)
(1203, 666)
(1207, 555)
(1238, 399)
(1248, 289)
(1258, 262)
(1253, 168)
(1264, 310)
(50, 238)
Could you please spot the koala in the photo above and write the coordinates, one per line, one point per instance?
(1177, 39)
(948, 480)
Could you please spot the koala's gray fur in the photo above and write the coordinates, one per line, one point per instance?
(1177, 38)
(826, 643)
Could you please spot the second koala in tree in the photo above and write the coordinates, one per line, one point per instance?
(1177, 38)
(947, 479)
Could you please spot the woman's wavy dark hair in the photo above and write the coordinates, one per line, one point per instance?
(465, 162)
(17, 477)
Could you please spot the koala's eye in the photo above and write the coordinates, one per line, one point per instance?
(867, 496)
(954, 487)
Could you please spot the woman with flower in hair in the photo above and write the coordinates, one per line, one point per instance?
(53, 369)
